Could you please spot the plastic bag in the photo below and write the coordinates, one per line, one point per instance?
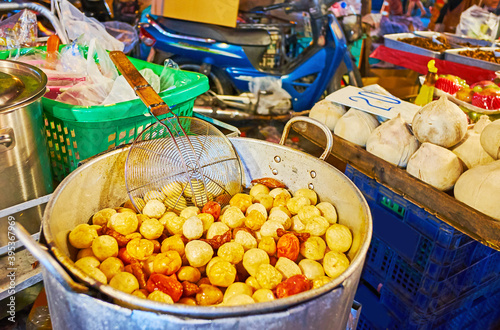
(99, 82)
(479, 23)
(123, 32)
(121, 90)
(171, 76)
(77, 24)
(71, 60)
(272, 98)
(19, 30)
(400, 24)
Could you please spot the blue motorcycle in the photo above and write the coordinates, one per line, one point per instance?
(231, 57)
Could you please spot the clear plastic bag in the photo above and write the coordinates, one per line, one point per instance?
(85, 28)
(272, 98)
(171, 76)
(19, 30)
(479, 23)
(121, 90)
(123, 32)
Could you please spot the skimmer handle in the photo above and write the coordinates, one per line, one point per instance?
(142, 88)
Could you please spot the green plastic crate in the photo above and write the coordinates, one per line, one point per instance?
(75, 133)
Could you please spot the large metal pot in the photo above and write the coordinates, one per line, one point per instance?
(24, 163)
(100, 183)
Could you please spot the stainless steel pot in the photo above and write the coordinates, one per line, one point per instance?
(24, 163)
(100, 183)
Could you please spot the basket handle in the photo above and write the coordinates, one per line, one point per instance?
(141, 87)
(326, 130)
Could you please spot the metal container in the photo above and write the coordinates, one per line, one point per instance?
(391, 41)
(453, 55)
(24, 164)
(99, 183)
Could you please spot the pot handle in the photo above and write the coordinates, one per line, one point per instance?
(326, 130)
(50, 264)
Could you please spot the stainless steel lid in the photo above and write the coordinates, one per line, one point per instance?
(20, 84)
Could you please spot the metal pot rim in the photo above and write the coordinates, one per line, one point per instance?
(208, 312)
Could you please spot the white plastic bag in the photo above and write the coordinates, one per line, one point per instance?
(123, 32)
(121, 90)
(272, 98)
(479, 23)
(77, 24)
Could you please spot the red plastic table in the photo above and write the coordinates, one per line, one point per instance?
(418, 63)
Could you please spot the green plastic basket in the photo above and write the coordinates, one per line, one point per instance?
(75, 133)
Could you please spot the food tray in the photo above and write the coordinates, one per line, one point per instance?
(453, 56)
(462, 39)
(391, 41)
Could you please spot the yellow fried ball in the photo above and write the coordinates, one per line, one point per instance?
(245, 239)
(269, 228)
(253, 283)
(308, 212)
(87, 263)
(82, 236)
(217, 228)
(314, 248)
(311, 269)
(111, 266)
(257, 207)
(264, 199)
(236, 289)
(125, 282)
(253, 258)
(207, 220)
(268, 244)
(192, 228)
(105, 246)
(309, 193)
(268, 276)
(209, 295)
(189, 212)
(124, 223)
(338, 238)
(165, 218)
(87, 252)
(175, 224)
(167, 263)
(140, 248)
(328, 211)
(297, 225)
(281, 199)
(232, 252)
(233, 217)
(320, 281)
(97, 274)
(263, 295)
(241, 201)
(276, 191)
(198, 253)
(287, 267)
(154, 209)
(259, 189)
(141, 293)
(222, 273)
(151, 229)
(294, 204)
(254, 220)
(317, 226)
(188, 273)
(281, 215)
(160, 297)
(101, 218)
(173, 243)
(335, 263)
(239, 299)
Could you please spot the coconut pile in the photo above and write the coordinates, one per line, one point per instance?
(440, 148)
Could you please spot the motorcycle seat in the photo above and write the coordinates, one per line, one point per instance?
(235, 36)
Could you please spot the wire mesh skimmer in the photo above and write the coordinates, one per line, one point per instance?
(181, 161)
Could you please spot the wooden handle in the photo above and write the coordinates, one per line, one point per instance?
(146, 93)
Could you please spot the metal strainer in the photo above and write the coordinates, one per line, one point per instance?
(181, 161)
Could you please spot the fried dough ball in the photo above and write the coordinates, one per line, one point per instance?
(82, 236)
(253, 258)
(217, 228)
(141, 218)
(287, 267)
(281, 199)
(151, 229)
(222, 273)
(264, 199)
(263, 295)
(268, 244)
(124, 223)
(175, 203)
(211, 263)
(111, 266)
(175, 224)
(308, 212)
(311, 269)
(166, 217)
(97, 274)
(154, 209)
(87, 252)
(207, 220)
(189, 212)
(269, 229)
(232, 252)
(257, 207)
(101, 218)
(153, 194)
(239, 299)
(172, 189)
(141, 293)
(209, 295)
(279, 215)
(87, 263)
(276, 191)
(160, 296)
(241, 201)
(294, 204)
(147, 265)
(233, 217)
(167, 263)
(338, 237)
(173, 243)
(309, 193)
(317, 226)
(192, 228)
(105, 246)
(320, 281)
(188, 273)
(245, 239)
(236, 289)
(328, 211)
(254, 220)
(297, 225)
(253, 283)
(190, 301)
(125, 209)
(314, 248)
(335, 263)
(259, 189)
(268, 276)
(198, 253)
(125, 282)
(140, 248)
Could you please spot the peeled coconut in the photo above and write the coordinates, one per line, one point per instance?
(435, 165)
(480, 188)
(440, 122)
(327, 113)
(490, 139)
(469, 150)
(356, 126)
(393, 142)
